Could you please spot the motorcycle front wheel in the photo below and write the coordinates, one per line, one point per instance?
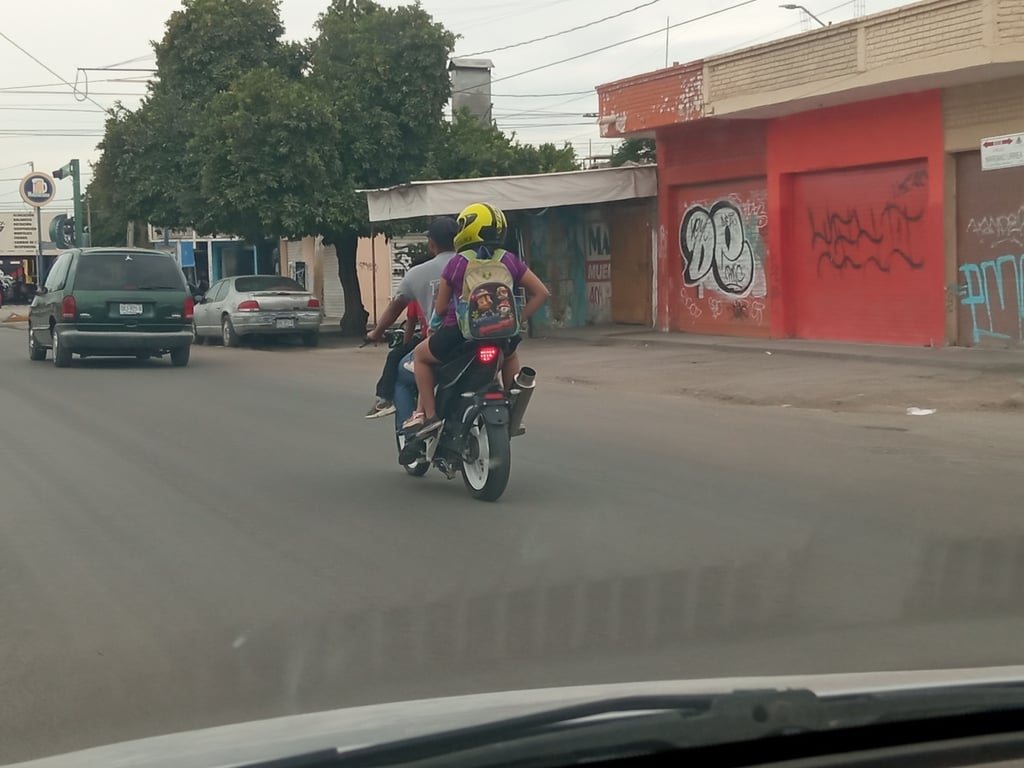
(487, 460)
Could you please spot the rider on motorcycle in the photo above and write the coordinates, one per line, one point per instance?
(482, 229)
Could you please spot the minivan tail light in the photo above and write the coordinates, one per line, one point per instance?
(190, 308)
(68, 308)
(487, 355)
(249, 305)
(313, 304)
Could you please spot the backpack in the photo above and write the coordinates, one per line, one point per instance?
(487, 308)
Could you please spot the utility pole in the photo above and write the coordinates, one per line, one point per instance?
(39, 238)
(88, 216)
(666, 40)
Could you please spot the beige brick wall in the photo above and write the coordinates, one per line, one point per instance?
(976, 111)
(863, 49)
(924, 44)
(830, 53)
(1010, 21)
(922, 31)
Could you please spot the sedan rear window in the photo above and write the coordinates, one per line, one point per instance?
(255, 283)
(128, 272)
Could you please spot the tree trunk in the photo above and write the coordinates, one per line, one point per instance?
(354, 321)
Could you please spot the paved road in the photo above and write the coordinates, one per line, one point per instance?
(181, 548)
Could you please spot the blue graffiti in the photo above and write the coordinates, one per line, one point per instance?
(976, 292)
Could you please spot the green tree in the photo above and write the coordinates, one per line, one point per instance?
(208, 44)
(150, 163)
(383, 73)
(272, 159)
(471, 149)
(634, 150)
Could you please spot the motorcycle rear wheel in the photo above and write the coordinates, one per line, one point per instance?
(488, 463)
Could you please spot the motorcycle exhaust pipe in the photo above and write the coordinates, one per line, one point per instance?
(523, 385)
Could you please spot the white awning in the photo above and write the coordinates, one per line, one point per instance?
(512, 193)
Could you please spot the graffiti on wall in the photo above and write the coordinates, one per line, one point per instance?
(715, 247)
(722, 244)
(991, 289)
(874, 236)
(598, 272)
(557, 255)
(404, 254)
(989, 253)
(862, 239)
(1004, 229)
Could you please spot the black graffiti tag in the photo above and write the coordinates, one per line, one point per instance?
(713, 243)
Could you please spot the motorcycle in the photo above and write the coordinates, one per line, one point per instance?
(479, 420)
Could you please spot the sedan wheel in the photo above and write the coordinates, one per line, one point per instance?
(228, 334)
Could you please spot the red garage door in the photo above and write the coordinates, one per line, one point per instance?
(861, 267)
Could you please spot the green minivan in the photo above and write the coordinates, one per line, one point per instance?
(112, 302)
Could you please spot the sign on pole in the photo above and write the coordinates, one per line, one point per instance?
(38, 189)
(1002, 151)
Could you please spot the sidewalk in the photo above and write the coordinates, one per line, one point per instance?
(1009, 360)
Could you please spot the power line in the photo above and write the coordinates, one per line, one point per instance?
(660, 31)
(566, 31)
(519, 11)
(143, 57)
(772, 35)
(17, 88)
(30, 108)
(52, 72)
(49, 133)
(540, 95)
(548, 125)
(559, 104)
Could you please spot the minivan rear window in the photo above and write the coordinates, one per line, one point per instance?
(254, 283)
(128, 272)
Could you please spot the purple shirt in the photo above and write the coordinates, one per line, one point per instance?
(455, 272)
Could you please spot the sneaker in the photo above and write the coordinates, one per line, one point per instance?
(414, 422)
(411, 451)
(380, 408)
(429, 427)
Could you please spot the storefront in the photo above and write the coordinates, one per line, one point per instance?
(589, 235)
(829, 185)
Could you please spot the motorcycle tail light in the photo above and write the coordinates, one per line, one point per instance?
(487, 355)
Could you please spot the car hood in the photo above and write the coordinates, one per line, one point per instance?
(243, 743)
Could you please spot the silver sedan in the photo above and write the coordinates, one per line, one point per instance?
(249, 305)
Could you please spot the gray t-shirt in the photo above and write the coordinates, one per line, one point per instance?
(420, 283)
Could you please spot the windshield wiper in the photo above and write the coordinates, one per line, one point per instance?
(647, 725)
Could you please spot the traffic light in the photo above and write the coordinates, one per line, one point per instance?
(62, 231)
(58, 174)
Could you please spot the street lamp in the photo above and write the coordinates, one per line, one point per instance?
(795, 7)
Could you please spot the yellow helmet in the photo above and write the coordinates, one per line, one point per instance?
(480, 223)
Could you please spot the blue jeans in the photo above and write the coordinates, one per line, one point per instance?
(405, 393)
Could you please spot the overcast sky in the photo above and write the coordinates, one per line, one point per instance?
(48, 122)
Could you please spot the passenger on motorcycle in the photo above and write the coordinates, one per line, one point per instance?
(418, 285)
(482, 230)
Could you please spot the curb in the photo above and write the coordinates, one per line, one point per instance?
(962, 359)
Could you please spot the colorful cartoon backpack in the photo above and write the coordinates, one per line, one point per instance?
(487, 308)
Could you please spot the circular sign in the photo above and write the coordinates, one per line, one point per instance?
(38, 189)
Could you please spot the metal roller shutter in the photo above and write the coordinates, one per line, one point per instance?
(334, 296)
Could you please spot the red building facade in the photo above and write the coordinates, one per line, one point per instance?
(822, 212)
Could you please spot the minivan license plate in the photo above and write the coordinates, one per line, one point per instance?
(131, 309)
